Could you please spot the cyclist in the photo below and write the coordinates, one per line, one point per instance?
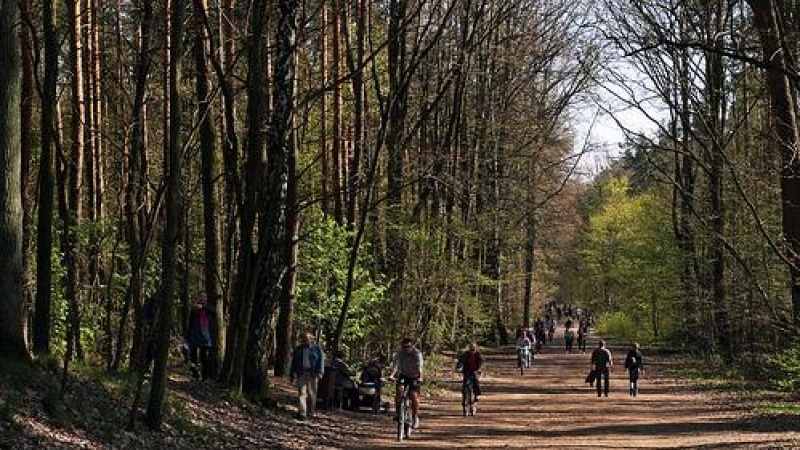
(523, 348)
(470, 364)
(407, 370)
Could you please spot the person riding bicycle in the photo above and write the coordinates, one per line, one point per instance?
(470, 364)
(523, 347)
(407, 370)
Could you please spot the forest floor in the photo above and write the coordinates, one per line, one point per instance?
(549, 406)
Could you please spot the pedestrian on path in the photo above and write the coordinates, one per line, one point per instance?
(308, 365)
(635, 366)
(200, 334)
(601, 363)
(569, 337)
(583, 331)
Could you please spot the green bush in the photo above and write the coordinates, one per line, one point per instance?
(787, 370)
(618, 325)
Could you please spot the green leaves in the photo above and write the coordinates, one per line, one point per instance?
(324, 255)
(629, 258)
(787, 363)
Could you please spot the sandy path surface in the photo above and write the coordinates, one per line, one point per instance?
(550, 406)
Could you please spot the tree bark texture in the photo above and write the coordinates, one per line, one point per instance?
(208, 175)
(13, 311)
(273, 239)
(44, 229)
(173, 226)
(783, 101)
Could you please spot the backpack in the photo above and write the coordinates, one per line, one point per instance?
(633, 362)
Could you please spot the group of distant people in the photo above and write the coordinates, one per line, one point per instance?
(307, 365)
(601, 359)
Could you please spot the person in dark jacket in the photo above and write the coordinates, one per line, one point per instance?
(583, 331)
(635, 365)
(601, 362)
(200, 338)
(307, 368)
(470, 364)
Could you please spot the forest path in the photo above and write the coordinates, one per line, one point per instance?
(550, 406)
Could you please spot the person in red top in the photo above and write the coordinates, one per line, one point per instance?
(200, 338)
(470, 365)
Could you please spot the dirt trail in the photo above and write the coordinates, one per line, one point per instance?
(550, 406)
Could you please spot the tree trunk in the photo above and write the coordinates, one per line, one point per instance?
(273, 235)
(338, 153)
(530, 241)
(13, 315)
(44, 229)
(684, 200)
(245, 282)
(783, 100)
(208, 173)
(398, 93)
(136, 198)
(174, 210)
(92, 156)
(26, 139)
(325, 184)
(285, 325)
(715, 122)
(71, 206)
(355, 178)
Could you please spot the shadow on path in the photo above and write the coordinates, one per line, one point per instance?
(550, 406)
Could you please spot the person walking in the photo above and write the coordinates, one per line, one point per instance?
(200, 338)
(583, 330)
(307, 368)
(601, 363)
(635, 366)
(569, 337)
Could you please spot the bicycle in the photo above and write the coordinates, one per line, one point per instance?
(523, 359)
(405, 420)
(468, 404)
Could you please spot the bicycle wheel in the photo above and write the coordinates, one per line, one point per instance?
(401, 420)
(473, 407)
(408, 422)
(465, 397)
